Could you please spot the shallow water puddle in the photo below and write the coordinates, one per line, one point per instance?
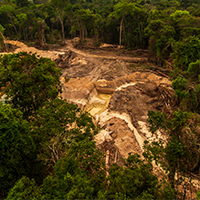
(98, 104)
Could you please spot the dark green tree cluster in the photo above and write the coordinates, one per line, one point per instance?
(174, 34)
(132, 23)
(37, 128)
(180, 155)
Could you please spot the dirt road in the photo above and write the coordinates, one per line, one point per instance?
(69, 47)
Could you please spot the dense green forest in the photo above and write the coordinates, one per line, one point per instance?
(46, 144)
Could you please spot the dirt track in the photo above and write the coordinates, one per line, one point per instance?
(125, 58)
(54, 54)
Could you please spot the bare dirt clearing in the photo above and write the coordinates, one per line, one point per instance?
(106, 83)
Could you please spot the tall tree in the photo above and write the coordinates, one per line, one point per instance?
(16, 147)
(59, 6)
(8, 10)
(160, 38)
(179, 154)
(83, 22)
(29, 81)
(121, 9)
(3, 46)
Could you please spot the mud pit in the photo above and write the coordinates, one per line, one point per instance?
(120, 106)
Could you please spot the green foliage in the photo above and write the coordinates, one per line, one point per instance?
(132, 20)
(198, 195)
(61, 132)
(2, 44)
(134, 181)
(190, 31)
(29, 81)
(6, 9)
(77, 175)
(16, 147)
(68, 182)
(2, 29)
(160, 37)
(59, 6)
(179, 85)
(84, 21)
(194, 69)
(185, 52)
(180, 153)
(187, 94)
(156, 120)
(23, 3)
(178, 14)
(25, 189)
(58, 125)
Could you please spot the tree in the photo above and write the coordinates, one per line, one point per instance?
(134, 181)
(121, 9)
(40, 1)
(22, 21)
(29, 81)
(25, 189)
(185, 52)
(160, 38)
(3, 46)
(179, 154)
(132, 20)
(8, 10)
(22, 3)
(188, 94)
(43, 13)
(194, 69)
(78, 174)
(16, 147)
(57, 126)
(83, 22)
(68, 181)
(54, 128)
(181, 21)
(59, 6)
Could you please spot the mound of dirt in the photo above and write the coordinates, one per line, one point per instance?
(136, 100)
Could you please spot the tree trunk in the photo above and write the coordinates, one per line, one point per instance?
(42, 26)
(11, 21)
(3, 42)
(63, 29)
(107, 162)
(120, 33)
(140, 33)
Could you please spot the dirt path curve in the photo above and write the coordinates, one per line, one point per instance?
(54, 54)
(24, 48)
(70, 47)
